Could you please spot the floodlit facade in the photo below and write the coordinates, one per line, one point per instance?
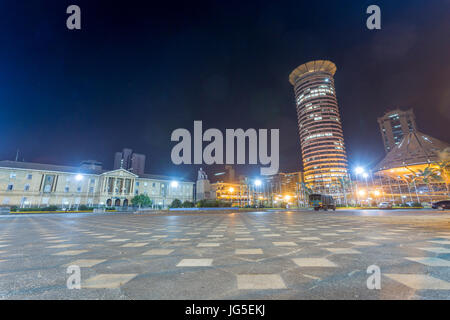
(321, 136)
(26, 185)
(394, 125)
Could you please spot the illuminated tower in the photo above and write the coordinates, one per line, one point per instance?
(321, 136)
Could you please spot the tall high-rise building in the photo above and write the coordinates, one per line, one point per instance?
(394, 125)
(130, 161)
(321, 135)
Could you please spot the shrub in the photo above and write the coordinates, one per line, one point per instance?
(50, 208)
(84, 208)
(188, 204)
(212, 204)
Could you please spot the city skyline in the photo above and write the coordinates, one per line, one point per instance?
(225, 157)
(136, 97)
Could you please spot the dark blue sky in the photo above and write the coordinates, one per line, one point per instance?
(140, 69)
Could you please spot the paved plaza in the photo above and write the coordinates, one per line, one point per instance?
(241, 255)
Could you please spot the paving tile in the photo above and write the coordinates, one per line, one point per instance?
(314, 262)
(440, 241)
(432, 262)
(310, 238)
(107, 281)
(420, 281)
(285, 244)
(436, 249)
(70, 253)
(364, 243)
(260, 282)
(85, 263)
(343, 251)
(58, 246)
(209, 244)
(134, 244)
(158, 252)
(248, 251)
(195, 263)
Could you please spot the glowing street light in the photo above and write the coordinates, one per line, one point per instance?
(377, 193)
(365, 175)
(287, 197)
(78, 177)
(362, 192)
(174, 184)
(359, 170)
(257, 182)
(231, 189)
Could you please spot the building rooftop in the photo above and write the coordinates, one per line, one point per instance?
(415, 148)
(312, 66)
(71, 169)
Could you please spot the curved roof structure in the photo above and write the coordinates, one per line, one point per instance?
(312, 66)
(415, 148)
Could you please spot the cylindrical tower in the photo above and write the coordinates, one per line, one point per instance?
(321, 135)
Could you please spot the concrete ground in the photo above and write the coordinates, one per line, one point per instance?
(251, 255)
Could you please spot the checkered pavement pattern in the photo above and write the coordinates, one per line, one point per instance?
(254, 255)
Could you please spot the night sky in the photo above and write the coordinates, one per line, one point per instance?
(140, 69)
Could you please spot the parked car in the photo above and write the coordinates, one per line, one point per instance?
(385, 205)
(442, 205)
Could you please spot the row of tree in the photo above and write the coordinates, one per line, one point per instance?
(143, 201)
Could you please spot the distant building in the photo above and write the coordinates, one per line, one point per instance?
(394, 125)
(133, 162)
(227, 175)
(281, 187)
(415, 151)
(319, 122)
(285, 183)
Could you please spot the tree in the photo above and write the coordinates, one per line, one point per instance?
(443, 170)
(428, 176)
(176, 203)
(141, 200)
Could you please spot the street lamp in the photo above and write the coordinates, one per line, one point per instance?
(174, 184)
(257, 183)
(359, 170)
(78, 177)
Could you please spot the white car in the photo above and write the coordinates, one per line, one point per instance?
(385, 205)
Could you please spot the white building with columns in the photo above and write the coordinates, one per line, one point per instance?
(32, 185)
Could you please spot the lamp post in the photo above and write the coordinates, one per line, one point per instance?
(257, 183)
(358, 171)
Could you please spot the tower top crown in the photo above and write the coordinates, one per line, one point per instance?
(312, 66)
